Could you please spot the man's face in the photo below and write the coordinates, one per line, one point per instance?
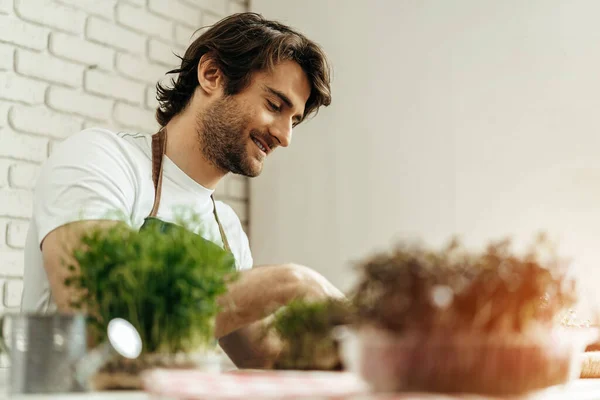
(239, 131)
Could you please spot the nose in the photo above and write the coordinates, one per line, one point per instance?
(282, 131)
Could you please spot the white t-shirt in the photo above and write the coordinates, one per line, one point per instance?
(96, 174)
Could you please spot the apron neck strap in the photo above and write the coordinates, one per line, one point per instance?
(159, 149)
(221, 230)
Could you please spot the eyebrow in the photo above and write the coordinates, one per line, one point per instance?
(283, 98)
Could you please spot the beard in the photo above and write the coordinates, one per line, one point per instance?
(221, 133)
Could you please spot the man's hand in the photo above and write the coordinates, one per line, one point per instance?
(253, 346)
(242, 329)
(260, 291)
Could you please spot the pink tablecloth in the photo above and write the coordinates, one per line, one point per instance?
(190, 384)
(315, 385)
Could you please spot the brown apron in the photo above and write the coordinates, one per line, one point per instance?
(159, 149)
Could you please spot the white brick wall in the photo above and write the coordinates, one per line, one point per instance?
(21, 89)
(5, 6)
(144, 21)
(109, 85)
(47, 68)
(178, 10)
(102, 8)
(80, 50)
(139, 70)
(16, 233)
(6, 57)
(21, 33)
(162, 53)
(70, 64)
(43, 121)
(51, 14)
(23, 176)
(110, 34)
(78, 102)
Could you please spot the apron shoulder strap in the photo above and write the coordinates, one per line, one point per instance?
(159, 149)
(221, 230)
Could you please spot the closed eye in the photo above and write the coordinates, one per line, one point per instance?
(273, 106)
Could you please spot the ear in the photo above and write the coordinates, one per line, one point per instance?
(210, 76)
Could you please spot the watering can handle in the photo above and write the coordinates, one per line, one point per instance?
(123, 339)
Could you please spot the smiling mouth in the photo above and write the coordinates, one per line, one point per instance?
(263, 147)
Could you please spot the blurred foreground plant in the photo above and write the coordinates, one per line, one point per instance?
(164, 279)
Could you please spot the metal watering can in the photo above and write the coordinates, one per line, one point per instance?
(48, 352)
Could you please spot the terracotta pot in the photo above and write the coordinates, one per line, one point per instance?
(499, 364)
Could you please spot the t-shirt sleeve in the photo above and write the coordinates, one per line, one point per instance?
(87, 177)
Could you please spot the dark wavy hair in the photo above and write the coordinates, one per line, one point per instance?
(240, 45)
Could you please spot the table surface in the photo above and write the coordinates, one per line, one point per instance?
(584, 389)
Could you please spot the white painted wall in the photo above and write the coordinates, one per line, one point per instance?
(466, 116)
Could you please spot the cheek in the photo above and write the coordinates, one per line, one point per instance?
(259, 119)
